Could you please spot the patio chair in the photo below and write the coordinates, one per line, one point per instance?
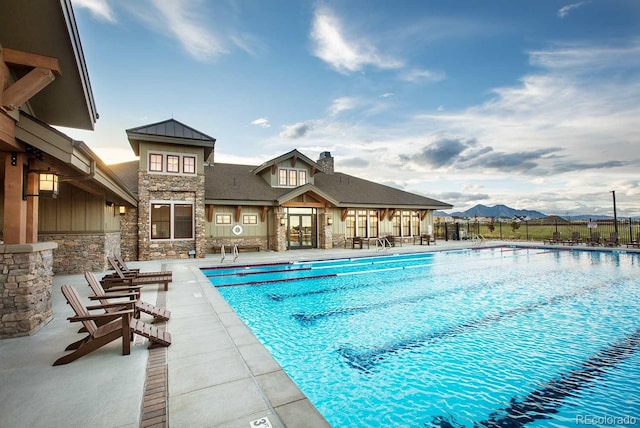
(119, 278)
(633, 243)
(612, 241)
(555, 239)
(124, 326)
(424, 238)
(158, 312)
(575, 239)
(117, 259)
(594, 239)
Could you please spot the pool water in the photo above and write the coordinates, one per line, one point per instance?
(487, 337)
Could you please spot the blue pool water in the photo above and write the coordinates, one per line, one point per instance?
(502, 337)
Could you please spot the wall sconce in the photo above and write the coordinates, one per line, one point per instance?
(283, 221)
(48, 184)
(109, 203)
(122, 210)
(329, 221)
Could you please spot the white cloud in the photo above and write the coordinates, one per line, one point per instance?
(343, 54)
(417, 75)
(262, 122)
(387, 95)
(342, 104)
(297, 130)
(564, 11)
(183, 18)
(99, 9)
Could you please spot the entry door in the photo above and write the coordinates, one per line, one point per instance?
(300, 231)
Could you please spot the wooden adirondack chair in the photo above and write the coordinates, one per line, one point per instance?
(103, 297)
(117, 259)
(120, 278)
(124, 326)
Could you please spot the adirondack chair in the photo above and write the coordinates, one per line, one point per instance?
(124, 326)
(575, 239)
(594, 239)
(555, 239)
(103, 297)
(119, 278)
(612, 241)
(117, 259)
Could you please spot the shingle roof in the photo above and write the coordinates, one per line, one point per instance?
(127, 172)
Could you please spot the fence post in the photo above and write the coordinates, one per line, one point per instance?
(526, 228)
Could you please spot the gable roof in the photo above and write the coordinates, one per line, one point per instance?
(171, 132)
(293, 154)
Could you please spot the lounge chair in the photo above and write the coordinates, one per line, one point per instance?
(575, 239)
(119, 278)
(612, 241)
(633, 243)
(555, 239)
(124, 326)
(103, 297)
(594, 239)
(117, 259)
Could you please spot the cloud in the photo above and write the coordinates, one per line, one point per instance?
(297, 130)
(342, 104)
(564, 11)
(343, 54)
(262, 122)
(418, 75)
(99, 9)
(184, 20)
(355, 162)
(387, 95)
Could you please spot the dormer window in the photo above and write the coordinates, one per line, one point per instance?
(172, 163)
(290, 177)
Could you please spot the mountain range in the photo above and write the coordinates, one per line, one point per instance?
(503, 211)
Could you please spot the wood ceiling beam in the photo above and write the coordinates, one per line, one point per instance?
(28, 59)
(25, 88)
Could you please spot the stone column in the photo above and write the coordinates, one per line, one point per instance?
(281, 231)
(326, 231)
(26, 277)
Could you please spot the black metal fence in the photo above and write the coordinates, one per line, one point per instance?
(538, 230)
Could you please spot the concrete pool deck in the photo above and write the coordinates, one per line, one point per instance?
(214, 374)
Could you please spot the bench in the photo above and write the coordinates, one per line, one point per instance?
(424, 239)
(228, 248)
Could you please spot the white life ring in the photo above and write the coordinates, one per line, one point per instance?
(237, 230)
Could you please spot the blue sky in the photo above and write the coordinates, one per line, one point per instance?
(531, 104)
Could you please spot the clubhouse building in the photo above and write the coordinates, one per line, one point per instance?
(63, 210)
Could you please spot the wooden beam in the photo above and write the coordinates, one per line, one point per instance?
(304, 204)
(294, 160)
(343, 214)
(392, 212)
(32, 207)
(313, 170)
(8, 133)
(263, 215)
(15, 208)
(25, 88)
(383, 213)
(14, 57)
(238, 213)
(210, 213)
(274, 169)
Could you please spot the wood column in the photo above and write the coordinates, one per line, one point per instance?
(32, 207)
(15, 209)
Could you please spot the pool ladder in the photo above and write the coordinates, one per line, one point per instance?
(234, 251)
(477, 239)
(382, 244)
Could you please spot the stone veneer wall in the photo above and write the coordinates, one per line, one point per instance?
(129, 234)
(26, 279)
(77, 253)
(157, 187)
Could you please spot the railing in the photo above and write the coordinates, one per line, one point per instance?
(383, 244)
(234, 251)
(477, 239)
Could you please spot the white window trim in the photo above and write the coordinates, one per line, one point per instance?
(288, 171)
(165, 155)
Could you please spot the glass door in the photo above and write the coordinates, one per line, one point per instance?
(301, 231)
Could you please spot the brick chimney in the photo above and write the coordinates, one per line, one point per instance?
(326, 162)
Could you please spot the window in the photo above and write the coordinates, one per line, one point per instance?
(362, 223)
(171, 220)
(223, 218)
(282, 177)
(189, 165)
(415, 223)
(350, 223)
(160, 221)
(249, 219)
(173, 163)
(155, 162)
(373, 223)
(396, 224)
(406, 223)
(292, 177)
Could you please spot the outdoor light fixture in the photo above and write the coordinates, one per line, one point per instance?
(122, 209)
(329, 221)
(48, 184)
(283, 221)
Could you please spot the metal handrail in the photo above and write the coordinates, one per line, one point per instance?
(236, 253)
(222, 253)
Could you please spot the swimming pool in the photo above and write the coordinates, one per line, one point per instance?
(485, 337)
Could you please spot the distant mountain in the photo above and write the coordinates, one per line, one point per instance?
(497, 211)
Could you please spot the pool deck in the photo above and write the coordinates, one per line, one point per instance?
(214, 374)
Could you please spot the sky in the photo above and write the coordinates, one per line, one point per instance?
(534, 104)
